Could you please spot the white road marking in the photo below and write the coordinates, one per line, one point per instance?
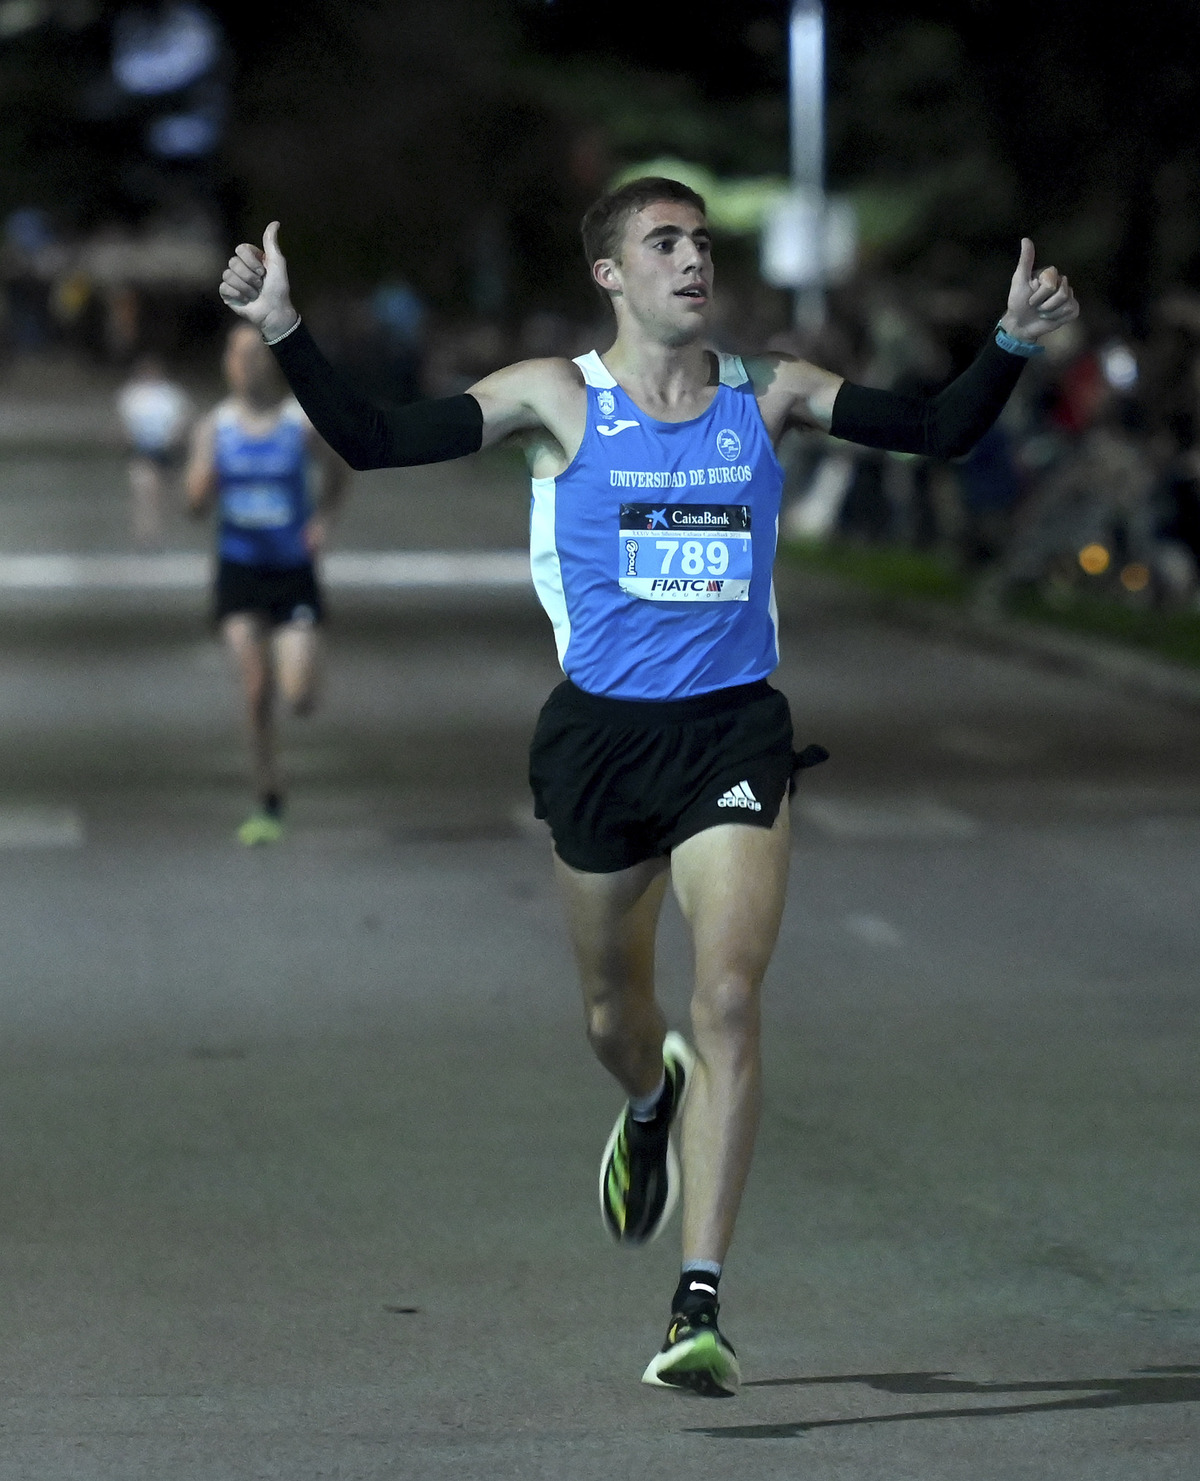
(886, 819)
(978, 745)
(873, 929)
(318, 837)
(428, 568)
(30, 826)
(189, 570)
(179, 571)
(522, 818)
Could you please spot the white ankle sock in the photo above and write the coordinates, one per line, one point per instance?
(642, 1107)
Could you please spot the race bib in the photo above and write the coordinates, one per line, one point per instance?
(686, 552)
(257, 506)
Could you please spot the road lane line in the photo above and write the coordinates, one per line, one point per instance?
(192, 571)
(873, 929)
(29, 826)
(886, 819)
(979, 745)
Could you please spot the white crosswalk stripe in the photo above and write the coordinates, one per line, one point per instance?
(28, 826)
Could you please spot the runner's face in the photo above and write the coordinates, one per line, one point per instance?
(664, 273)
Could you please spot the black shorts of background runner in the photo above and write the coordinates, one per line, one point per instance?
(280, 595)
(168, 459)
(622, 781)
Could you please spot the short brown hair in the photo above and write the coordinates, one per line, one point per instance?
(604, 224)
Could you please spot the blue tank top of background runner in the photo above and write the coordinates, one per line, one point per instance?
(263, 493)
(653, 552)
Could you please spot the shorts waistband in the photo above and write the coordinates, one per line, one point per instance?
(657, 712)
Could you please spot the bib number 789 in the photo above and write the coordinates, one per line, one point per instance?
(700, 557)
(686, 552)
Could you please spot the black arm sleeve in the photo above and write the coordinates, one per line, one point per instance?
(366, 435)
(947, 425)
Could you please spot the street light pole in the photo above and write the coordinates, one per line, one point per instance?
(806, 86)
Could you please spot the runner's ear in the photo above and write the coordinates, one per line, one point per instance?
(604, 272)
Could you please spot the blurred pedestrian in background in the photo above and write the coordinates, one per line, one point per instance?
(155, 413)
(274, 485)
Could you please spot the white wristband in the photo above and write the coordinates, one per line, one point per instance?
(279, 338)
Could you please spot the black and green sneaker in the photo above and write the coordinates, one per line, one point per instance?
(639, 1173)
(696, 1358)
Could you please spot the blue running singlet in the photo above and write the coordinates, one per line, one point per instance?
(263, 490)
(652, 553)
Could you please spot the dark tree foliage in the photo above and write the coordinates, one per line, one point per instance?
(1001, 116)
(456, 142)
(401, 138)
(51, 154)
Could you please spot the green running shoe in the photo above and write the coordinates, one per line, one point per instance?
(696, 1357)
(639, 1172)
(260, 827)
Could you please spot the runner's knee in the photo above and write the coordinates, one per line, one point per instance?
(727, 1010)
(302, 698)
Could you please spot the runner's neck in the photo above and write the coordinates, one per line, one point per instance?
(255, 416)
(672, 383)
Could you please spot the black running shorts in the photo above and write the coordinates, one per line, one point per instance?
(278, 594)
(622, 781)
(166, 458)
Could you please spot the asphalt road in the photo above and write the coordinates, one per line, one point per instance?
(299, 1145)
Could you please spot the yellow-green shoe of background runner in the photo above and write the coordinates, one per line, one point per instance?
(260, 827)
(639, 1172)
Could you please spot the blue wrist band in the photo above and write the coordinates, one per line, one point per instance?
(1023, 347)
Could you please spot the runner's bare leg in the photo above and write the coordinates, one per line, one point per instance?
(146, 488)
(612, 919)
(296, 654)
(248, 642)
(730, 882)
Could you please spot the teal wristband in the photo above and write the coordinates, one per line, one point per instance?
(1014, 346)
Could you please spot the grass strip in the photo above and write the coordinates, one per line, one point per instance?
(929, 576)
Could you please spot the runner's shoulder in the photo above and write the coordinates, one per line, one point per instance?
(775, 371)
(552, 375)
(549, 388)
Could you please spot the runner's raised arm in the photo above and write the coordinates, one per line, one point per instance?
(946, 425)
(255, 285)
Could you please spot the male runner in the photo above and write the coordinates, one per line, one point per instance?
(256, 456)
(665, 754)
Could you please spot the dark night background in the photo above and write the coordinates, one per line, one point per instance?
(428, 137)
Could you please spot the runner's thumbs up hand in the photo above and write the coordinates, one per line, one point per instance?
(1037, 305)
(255, 285)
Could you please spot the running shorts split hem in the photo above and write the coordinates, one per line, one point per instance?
(622, 781)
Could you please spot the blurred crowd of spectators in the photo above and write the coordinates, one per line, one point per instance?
(110, 294)
(1089, 483)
